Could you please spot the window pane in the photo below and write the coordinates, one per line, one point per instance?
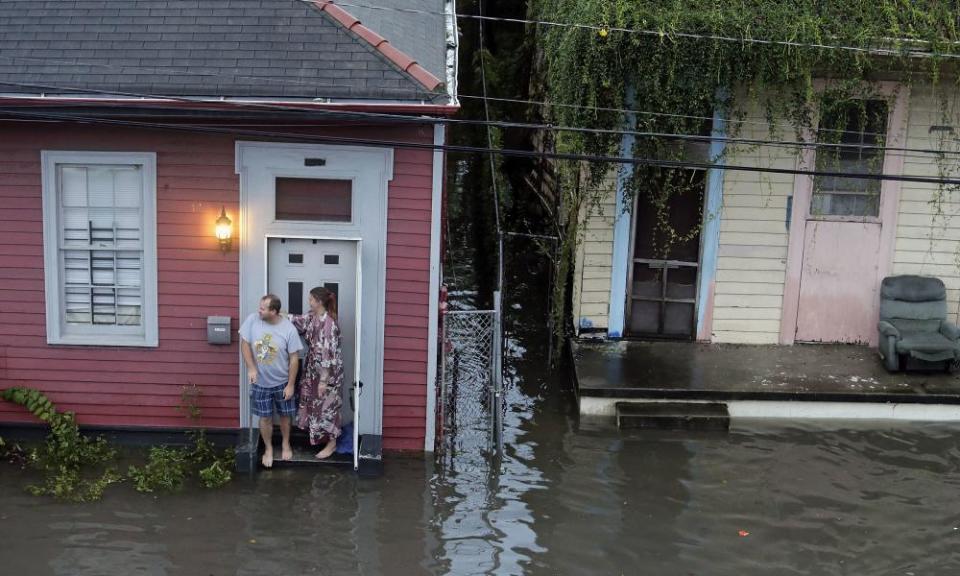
(314, 199)
(682, 283)
(861, 125)
(129, 308)
(77, 305)
(73, 186)
(678, 319)
(645, 317)
(104, 306)
(647, 281)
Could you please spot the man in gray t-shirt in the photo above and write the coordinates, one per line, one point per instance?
(271, 350)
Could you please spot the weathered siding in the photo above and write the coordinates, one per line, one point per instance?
(751, 264)
(594, 264)
(195, 176)
(751, 261)
(928, 230)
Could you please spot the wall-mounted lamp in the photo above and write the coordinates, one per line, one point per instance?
(224, 231)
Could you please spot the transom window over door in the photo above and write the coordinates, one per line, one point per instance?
(851, 125)
(100, 250)
(314, 199)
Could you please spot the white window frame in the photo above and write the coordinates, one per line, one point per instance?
(57, 333)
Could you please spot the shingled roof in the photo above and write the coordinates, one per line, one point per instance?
(285, 49)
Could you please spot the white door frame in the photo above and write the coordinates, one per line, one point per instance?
(357, 320)
(370, 169)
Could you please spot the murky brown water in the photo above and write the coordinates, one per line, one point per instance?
(571, 497)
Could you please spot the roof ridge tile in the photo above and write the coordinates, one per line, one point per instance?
(396, 56)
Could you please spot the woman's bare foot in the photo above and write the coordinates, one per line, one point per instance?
(328, 449)
(286, 452)
(267, 459)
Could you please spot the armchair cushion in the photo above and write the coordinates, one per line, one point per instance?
(950, 330)
(888, 329)
(912, 288)
(930, 346)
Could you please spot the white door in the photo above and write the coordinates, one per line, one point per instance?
(295, 266)
(318, 191)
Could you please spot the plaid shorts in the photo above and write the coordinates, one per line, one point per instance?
(263, 402)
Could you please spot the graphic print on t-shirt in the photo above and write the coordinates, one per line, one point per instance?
(265, 350)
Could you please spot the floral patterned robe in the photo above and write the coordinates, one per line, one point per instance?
(319, 413)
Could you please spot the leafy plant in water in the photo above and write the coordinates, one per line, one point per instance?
(73, 464)
(217, 474)
(67, 457)
(167, 468)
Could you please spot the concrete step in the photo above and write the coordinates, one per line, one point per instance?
(249, 452)
(304, 455)
(673, 415)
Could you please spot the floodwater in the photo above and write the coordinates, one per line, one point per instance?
(567, 497)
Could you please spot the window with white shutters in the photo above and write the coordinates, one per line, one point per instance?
(100, 221)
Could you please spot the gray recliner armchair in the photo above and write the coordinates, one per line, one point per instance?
(913, 312)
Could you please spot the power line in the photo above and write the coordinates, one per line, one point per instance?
(686, 35)
(86, 90)
(493, 171)
(545, 104)
(293, 81)
(507, 124)
(475, 149)
(433, 95)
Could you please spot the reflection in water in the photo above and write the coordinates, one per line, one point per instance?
(569, 496)
(573, 497)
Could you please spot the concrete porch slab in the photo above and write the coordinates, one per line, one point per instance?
(801, 381)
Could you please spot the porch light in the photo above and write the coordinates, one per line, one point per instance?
(224, 231)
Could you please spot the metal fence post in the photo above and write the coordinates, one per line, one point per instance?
(440, 441)
(497, 380)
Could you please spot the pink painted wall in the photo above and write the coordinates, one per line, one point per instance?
(195, 176)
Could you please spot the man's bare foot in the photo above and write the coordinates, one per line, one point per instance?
(327, 450)
(267, 460)
(286, 452)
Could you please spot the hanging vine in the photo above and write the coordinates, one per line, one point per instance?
(807, 67)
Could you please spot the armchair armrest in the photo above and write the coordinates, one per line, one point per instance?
(888, 329)
(950, 330)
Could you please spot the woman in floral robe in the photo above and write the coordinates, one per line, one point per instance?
(322, 379)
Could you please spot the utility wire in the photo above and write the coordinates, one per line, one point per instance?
(686, 35)
(502, 124)
(428, 95)
(545, 104)
(480, 150)
(493, 168)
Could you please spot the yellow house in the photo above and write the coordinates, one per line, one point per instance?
(777, 255)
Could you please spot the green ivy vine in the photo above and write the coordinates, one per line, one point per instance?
(735, 57)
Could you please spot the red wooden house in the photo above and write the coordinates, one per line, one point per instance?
(128, 128)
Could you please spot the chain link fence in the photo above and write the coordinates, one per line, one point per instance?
(470, 389)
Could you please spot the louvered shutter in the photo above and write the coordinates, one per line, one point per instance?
(101, 244)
